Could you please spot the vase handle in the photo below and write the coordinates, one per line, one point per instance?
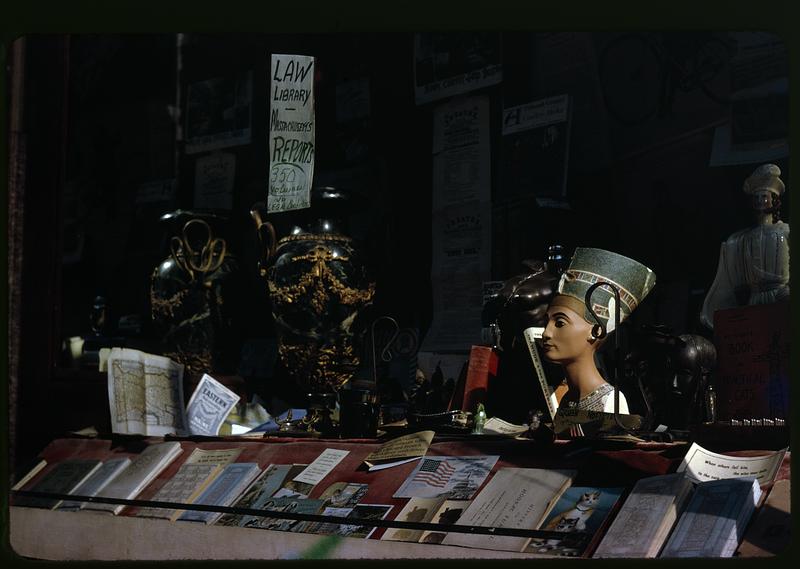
(266, 236)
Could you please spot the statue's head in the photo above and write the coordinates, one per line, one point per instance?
(766, 187)
(589, 266)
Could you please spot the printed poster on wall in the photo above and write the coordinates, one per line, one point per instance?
(453, 63)
(213, 181)
(218, 113)
(291, 133)
(461, 230)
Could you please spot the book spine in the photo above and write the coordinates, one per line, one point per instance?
(482, 365)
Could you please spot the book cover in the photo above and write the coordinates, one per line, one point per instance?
(329, 528)
(109, 470)
(184, 487)
(63, 478)
(514, 498)
(226, 487)
(715, 518)
(258, 493)
(581, 513)
(752, 375)
(482, 367)
(286, 504)
(291, 488)
(142, 470)
(644, 521)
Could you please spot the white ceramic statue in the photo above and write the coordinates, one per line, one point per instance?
(754, 262)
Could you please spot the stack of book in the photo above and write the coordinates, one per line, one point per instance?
(684, 514)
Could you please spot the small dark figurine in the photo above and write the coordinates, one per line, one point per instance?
(521, 303)
(673, 371)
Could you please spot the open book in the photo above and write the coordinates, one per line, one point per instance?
(714, 521)
(145, 393)
(514, 498)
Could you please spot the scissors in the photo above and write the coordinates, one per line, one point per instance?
(208, 258)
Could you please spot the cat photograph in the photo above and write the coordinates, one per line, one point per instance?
(579, 514)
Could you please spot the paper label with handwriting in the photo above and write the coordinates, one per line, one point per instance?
(209, 406)
(320, 468)
(701, 465)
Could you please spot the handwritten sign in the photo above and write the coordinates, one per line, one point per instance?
(752, 376)
(701, 465)
(291, 133)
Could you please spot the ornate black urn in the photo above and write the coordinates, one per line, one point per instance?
(318, 287)
(193, 294)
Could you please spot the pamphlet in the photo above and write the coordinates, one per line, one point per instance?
(209, 406)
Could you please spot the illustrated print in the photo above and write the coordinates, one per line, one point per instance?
(580, 513)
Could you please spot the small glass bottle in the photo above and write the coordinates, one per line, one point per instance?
(711, 404)
(480, 420)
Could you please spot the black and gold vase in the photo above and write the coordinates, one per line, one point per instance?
(318, 287)
(193, 294)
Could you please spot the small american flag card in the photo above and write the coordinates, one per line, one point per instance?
(452, 477)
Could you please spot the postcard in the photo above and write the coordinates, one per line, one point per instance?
(416, 510)
(447, 514)
(452, 477)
